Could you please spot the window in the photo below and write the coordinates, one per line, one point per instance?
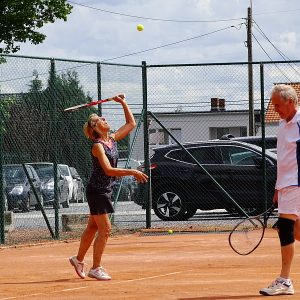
(176, 132)
(161, 137)
(243, 131)
(221, 131)
(238, 156)
(204, 155)
(156, 137)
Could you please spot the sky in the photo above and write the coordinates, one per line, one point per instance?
(212, 31)
(175, 32)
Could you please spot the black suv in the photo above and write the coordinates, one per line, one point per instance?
(180, 186)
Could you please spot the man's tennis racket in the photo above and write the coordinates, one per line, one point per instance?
(247, 235)
(76, 107)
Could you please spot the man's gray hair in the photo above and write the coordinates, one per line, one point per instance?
(286, 92)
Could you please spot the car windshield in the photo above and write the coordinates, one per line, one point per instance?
(45, 173)
(64, 170)
(74, 173)
(14, 174)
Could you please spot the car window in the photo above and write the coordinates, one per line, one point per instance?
(238, 156)
(64, 170)
(45, 173)
(74, 172)
(206, 155)
(14, 174)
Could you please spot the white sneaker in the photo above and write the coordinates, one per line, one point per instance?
(99, 273)
(278, 287)
(78, 266)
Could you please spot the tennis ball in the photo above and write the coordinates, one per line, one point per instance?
(170, 231)
(140, 27)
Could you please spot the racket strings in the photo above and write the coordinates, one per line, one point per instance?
(246, 236)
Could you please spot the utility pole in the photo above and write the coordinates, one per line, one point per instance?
(250, 73)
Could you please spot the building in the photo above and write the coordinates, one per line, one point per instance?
(194, 126)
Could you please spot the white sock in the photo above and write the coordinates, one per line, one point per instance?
(285, 280)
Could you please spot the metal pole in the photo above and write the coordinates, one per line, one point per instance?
(146, 148)
(99, 87)
(263, 136)
(250, 73)
(2, 217)
(55, 150)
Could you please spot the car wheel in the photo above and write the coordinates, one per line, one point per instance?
(66, 204)
(26, 204)
(168, 206)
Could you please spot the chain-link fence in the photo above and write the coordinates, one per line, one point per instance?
(45, 158)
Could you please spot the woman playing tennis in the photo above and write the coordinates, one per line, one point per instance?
(99, 189)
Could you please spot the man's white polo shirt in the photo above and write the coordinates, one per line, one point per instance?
(288, 153)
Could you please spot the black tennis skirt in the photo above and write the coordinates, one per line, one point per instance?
(99, 202)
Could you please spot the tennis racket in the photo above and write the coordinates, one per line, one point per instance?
(76, 107)
(247, 235)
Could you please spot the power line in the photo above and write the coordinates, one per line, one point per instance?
(271, 58)
(278, 12)
(170, 44)
(153, 19)
(278, 51)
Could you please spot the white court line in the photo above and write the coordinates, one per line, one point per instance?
(85, 287)
(144, 278)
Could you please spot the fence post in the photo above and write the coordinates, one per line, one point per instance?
(2, 218)
(263, 136)
(55, 149)
(147, 195)
(99, 94)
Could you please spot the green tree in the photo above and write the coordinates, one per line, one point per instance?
(20, 21)
(39, 129)
(5, 105)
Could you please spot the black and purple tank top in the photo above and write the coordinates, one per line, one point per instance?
(99, 180)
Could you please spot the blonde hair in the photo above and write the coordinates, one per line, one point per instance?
(88, 130)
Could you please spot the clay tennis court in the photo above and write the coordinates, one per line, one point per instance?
(143, 266)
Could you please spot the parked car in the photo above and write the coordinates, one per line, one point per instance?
(4, 195)
(65, 171)
(180, 186)
(132, 163)
(78, 187)
(45, 172)
(20, 195)
(270, 140)
(128, 182)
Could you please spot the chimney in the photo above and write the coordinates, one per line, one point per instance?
(217, 104)
(221, 104)
(214, 104)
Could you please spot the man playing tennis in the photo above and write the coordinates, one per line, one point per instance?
(287, 189)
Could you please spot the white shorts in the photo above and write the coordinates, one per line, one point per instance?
(289, 200)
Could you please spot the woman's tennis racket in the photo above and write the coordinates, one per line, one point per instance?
(76, 107)
(247, 235)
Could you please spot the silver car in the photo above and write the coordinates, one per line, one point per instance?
(45, 172)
